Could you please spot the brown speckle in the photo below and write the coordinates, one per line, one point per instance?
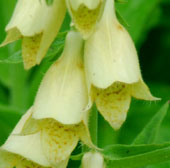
(119, 27)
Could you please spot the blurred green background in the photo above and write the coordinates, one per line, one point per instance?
(149, 25)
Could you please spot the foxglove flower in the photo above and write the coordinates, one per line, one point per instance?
(112, 68)
(57, 120)
(59, 107)
(93, 160)
(58, 140)
(63, 93)
(37, 24)
(41, 144)
(85, 14)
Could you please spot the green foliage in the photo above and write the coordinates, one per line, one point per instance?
(134, 156)
(121, 156)
(150, 132)
(136, 14)
(8, 118)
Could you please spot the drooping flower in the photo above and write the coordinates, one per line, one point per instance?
(85, 14)
(59, 107)
(63, 93)
(58, 140)
(37, 24)
(112, 67)
(58, 119)
(93, 160)
(41, 144)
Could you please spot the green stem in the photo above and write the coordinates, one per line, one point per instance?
(105, 131)
(94, 125)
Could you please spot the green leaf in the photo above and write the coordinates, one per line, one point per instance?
(136, 156)
(150, 132)
(13, 59)
(6, 8)
(119, 151)
(93, 124)
(106, 134)
(137, 13)
(77, 157)
(57, 46)
(8, 119)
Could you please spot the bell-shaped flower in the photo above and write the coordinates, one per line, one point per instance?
(85, 14)
(59, 108)
(58, 119)
(63, 93)
(93, 160)
(112, 68)
(42, 144)
(58, 140)
(37, 24)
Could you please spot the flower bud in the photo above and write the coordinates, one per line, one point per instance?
(37, 24)
(93, 160)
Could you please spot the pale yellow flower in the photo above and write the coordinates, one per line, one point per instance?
(42, 143)
(58, 119)
(63, 92)
(37, 24)
(85, 14)
(58, 140)
(112, 68)
(93, 160)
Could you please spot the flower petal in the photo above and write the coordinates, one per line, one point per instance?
(10, 160)
(84, 134)
(140, 90)
(18, 128)
(85, 14)
(110, 55)
(58, 141)
(30, 47)
(31, 126)
(28, 147)
(12, 36)
(63, 89)
(113, 103)
(75, 4)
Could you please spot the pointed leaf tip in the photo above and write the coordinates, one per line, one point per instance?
(149, 133)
